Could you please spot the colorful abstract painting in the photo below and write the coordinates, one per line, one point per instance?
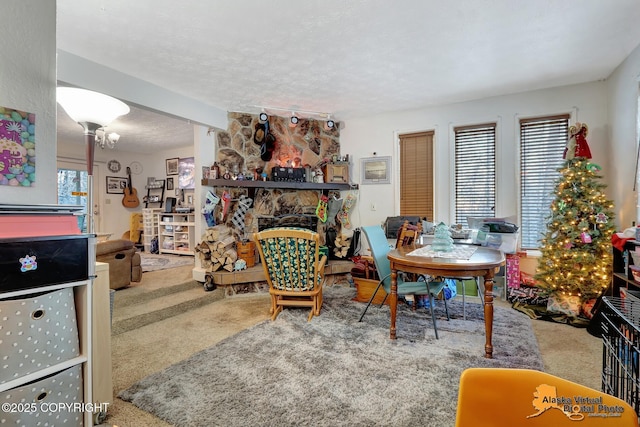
(17, 148)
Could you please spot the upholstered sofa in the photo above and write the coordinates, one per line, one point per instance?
(123, 260)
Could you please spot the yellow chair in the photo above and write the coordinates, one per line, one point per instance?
(496, 397)
(293, 267)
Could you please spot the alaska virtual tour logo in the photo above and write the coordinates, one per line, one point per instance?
(576, 408)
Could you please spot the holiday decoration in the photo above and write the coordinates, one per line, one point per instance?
(442, 241)
(343, 215)
(226, 202)
(335, 205)
(210, 203)
(321, 209)
(577, 145)
(576, 248)
(244, 203)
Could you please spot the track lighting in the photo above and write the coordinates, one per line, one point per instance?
(294, 120)
(329, 124)
(295, 117)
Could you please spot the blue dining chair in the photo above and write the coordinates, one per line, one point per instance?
(379, 249)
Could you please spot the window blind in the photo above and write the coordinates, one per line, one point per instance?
(475, 172)
(542, 143)
(416, 175)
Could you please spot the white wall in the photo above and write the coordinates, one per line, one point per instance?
(27, 83)
(622, 91)
(114, 217)
(361, 137)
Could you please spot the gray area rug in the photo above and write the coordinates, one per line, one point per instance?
(335, 371)
(154, 262)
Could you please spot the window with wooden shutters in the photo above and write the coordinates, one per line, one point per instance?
(475, 172)
(416, 175)
(542, 143)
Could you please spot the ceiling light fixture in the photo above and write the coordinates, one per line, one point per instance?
(294, 120)
(92, 111)
(104, 140)
(263, 117)
(329, 124)
(318, 115)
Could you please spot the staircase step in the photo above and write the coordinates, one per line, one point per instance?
(155, 306)
(139, 295)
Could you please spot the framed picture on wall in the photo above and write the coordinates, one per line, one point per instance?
(186, 173)
(116, 185)
(169, 183)
(172, 166)
(376, 170)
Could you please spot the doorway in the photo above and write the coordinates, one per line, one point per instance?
(72, 190)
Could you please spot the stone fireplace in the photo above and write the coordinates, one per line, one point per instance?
(306, 145)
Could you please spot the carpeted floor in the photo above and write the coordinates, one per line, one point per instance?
(335, 370)
(155, 262)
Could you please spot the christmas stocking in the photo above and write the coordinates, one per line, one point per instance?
(321, 210)
(226, 201)
(210, 203)
(347, 206)
(335, 205)
(238, 217)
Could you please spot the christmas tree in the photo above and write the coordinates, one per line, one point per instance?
(576, 249)
(442, 241)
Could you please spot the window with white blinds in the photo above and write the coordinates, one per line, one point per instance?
(416, 175)
(475, 172)
(542, 143)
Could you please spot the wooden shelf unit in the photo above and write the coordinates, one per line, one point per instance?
(155, 194)
(176, 233)
(622, 275)
(81, 288)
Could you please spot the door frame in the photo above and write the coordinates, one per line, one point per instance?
(81, 165)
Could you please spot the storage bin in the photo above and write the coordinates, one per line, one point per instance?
(506, 242)
(27, 263)
(40, 331)
(49, 397)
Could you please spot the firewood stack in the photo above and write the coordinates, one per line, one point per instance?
(217, 249)
(342, 245)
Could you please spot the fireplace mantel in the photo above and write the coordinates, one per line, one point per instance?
(277, 184)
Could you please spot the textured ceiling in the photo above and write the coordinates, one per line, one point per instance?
(349, 58)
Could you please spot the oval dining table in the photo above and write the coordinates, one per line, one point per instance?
(484, 262)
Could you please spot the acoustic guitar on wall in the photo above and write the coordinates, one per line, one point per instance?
(130, 199)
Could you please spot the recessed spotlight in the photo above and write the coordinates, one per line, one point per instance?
(263, 117)
(294, 120)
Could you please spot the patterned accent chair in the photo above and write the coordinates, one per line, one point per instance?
(293, 267)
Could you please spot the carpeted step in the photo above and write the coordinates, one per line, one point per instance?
(139, 294)
(155, 306)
